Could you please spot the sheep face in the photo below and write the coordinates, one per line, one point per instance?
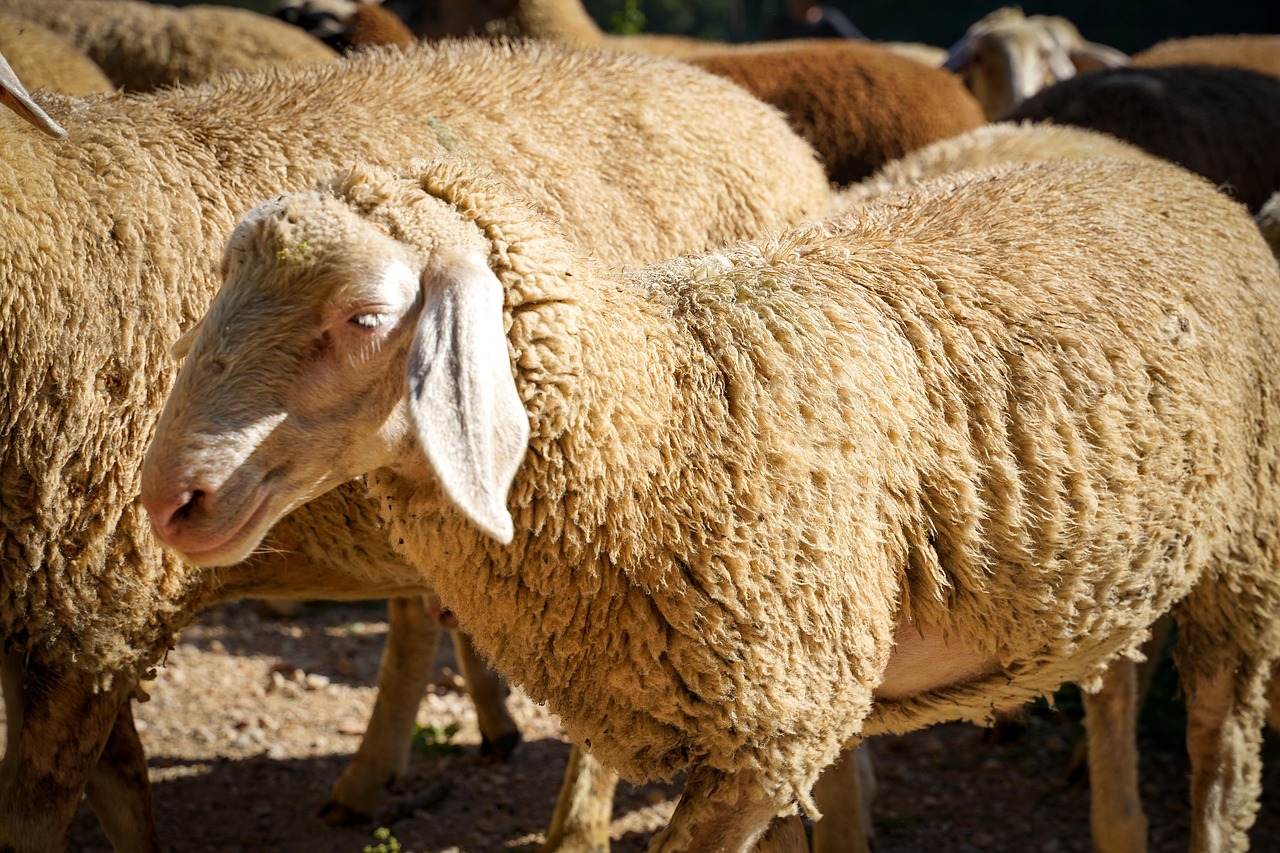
(330, 351)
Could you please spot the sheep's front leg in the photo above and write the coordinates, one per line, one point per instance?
(1111, 722)
(584, 810)
(843, 795)
(120, 789)
(58, 724)
(383, 754)
(721, 813)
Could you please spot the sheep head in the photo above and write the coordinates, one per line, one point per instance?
(333, 349)
(1007, 57)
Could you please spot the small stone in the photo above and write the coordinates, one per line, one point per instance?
(316, 681)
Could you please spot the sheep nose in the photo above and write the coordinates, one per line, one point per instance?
(172, 514)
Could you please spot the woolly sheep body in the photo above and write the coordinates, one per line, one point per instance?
(44, 60)
(995, 144)
(1047, 441)
(1254, 52)
(1219, 122)
(143, 46)
(109, 254)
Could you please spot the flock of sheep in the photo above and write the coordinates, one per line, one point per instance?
(741, 402)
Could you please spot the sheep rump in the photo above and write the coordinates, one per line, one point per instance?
(1044, 441)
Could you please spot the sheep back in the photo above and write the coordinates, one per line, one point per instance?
(45, 60)
(1253, 52)
(1219, 122)
(142, 46)
(858, 104)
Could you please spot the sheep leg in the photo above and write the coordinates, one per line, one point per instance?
(584, 810)
(1225, 712)
(58, 725)
(1111, 722)
(383, 754)
(843, 795)
(725, 812)
(499, 734)
(119, 788)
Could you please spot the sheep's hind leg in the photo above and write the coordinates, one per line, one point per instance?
(724, 812)
(584, 810)
(120, 789)
(383, 754)
(843, 795)
(499, 734)
(1111, 721)
(1226, 707)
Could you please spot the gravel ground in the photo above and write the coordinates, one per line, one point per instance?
(252, 719)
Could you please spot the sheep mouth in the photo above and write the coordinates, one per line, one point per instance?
(238, 539)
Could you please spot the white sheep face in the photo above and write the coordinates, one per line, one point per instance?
(329, 352)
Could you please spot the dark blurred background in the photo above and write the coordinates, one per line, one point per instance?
(1129, 25)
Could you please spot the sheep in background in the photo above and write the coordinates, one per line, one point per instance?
(858, 104)
(1006, 57)
(113, 251)
(1259, 53)
(143, 46)
(48, 61)
(1268, 220)
(347, 25)
(864, 477)
(1219, 122)
(996, 144)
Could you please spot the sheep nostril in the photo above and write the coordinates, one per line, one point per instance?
(190, 506)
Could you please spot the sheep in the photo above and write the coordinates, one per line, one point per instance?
(1219, 122)
(111, 254)
(1268, 219)
(347, 25)
(47, 61)
(861, 477)
(1259, 53)
(143, 46)
(858, 104)
(1006, 57)
(987, 146)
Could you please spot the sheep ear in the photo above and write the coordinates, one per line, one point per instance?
(1091, 56)
(462, 395)
(182, 345)
(14, 96)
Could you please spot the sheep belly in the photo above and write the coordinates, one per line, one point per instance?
(926, 659)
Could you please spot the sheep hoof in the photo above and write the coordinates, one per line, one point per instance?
(336, 814)
(499, 751)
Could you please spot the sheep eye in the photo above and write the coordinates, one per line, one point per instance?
(369, 321)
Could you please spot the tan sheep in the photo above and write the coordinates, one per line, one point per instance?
(732, 513)
(143, 46)
(1251, 51)
(45, 60)
(995, 144)
(113, 252)
(857, 103)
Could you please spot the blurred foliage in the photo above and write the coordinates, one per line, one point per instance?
(1128, 25)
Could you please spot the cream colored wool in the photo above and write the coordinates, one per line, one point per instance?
(744, 470)
(45, 60)
(110, 248)
(995, 144)
(1254, 51)
(143, 46)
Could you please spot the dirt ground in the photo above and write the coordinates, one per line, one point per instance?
(253, 718)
